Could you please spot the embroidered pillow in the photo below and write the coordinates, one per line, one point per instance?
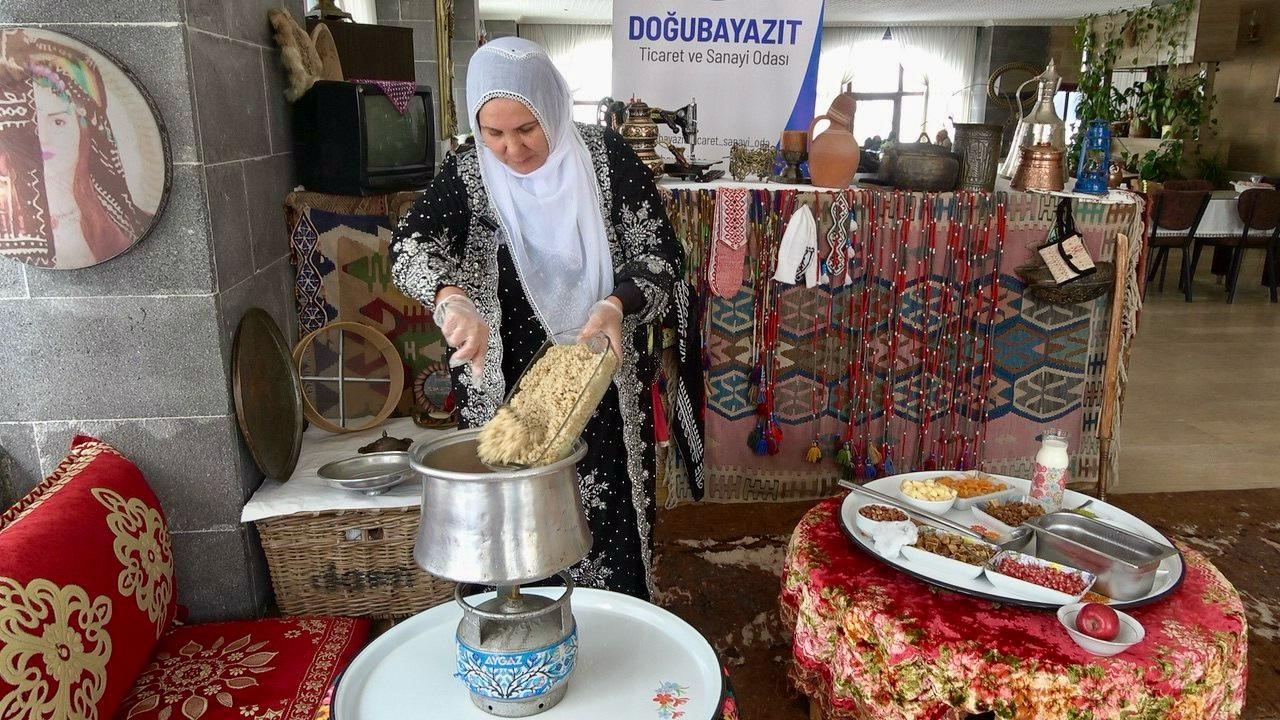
(86, 587)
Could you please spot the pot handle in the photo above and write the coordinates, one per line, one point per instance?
(924, 138)
(814, 124)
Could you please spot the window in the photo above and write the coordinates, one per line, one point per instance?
(897, 112)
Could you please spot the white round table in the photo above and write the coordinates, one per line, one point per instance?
(635, 660)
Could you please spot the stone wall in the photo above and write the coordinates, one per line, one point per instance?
(135, 350)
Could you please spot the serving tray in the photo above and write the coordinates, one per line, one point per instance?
(633, 657)
(1168, 575)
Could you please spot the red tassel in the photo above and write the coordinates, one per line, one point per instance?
(660, 431)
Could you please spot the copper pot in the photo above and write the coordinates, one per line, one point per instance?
(1040, 168)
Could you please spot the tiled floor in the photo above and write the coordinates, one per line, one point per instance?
(1203, 409)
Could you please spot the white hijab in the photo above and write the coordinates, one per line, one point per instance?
(551, 216)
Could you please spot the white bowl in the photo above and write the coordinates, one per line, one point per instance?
(939, 566)
(937, 507)
(1131, 632)
(1030, 590)
(869, 526)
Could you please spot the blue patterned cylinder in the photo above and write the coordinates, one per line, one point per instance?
(1095, 159)
(521, 675)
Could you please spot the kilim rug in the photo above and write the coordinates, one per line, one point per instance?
(719, 565)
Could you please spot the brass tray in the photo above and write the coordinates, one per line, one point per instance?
(268, 395)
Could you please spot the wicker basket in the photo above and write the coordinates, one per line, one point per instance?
(349, 562)
(1042, 287)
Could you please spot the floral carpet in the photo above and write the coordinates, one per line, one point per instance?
(719, 568)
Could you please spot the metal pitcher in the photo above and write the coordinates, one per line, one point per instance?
(496, 527)
(1041, 126)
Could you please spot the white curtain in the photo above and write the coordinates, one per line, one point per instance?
(584, 55)
(944, 56)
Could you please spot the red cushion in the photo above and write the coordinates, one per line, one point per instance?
(277, 668)
(86, 587)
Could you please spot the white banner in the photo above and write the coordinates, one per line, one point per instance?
(751, 65)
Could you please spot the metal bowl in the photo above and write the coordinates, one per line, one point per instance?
(371, 474)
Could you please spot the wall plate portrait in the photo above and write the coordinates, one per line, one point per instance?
(84, 159)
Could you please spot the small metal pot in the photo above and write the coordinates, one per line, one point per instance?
(506, 527)
(920, 166)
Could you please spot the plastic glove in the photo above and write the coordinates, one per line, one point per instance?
(464, 330)
(605, 317)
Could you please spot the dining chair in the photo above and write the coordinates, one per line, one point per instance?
(1175, 217)
(1259, 210)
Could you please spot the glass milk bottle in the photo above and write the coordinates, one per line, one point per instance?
(1049, 479)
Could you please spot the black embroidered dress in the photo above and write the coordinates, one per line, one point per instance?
(450, 237)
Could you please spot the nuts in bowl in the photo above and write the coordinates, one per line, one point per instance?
(927, 494)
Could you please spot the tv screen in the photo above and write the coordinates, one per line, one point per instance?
(395, 140)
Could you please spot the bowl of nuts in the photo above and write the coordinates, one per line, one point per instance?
(928, 494)
(872, 518)
(949, 555)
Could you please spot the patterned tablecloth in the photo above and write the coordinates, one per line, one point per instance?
(873, 642)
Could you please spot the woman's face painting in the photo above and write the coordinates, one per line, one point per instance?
(513, 134)
(59, 130)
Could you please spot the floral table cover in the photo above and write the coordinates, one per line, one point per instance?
(870, 641)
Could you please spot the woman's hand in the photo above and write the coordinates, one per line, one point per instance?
(605, 317)
(464, 330)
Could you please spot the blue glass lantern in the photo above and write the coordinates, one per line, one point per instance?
(1095, 159)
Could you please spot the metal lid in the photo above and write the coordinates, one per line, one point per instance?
(268, 395)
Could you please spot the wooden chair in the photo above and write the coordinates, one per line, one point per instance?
(1175, 217)
(1259, 211)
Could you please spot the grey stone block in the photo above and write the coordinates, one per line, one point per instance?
(462, 50)
(13, 281)
(230, 98)
(173, 258)
(266, 182)
(428, 73)
(424, 38)
(388, 10)
(19, 461)
(156, 56)
(242, 20)
(221, 575)
(418, 10)
(192, 464)
(26, 12)
(270, 289)
(466, 25)
(278, 110)
(111, 357)
(229, 223)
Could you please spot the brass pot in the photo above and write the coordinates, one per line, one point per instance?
(920, 166)
(1039, 169)
(641, 133)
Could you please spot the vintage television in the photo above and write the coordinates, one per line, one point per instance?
(350, 140)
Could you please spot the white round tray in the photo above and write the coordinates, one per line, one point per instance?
(1168, 574)
(630, 652)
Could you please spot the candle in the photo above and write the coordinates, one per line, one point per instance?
(794, 140)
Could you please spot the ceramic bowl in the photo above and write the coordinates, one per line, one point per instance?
(937, 507)
(1131, 632)
(869, 526)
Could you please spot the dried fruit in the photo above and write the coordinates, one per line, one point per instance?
(882, 513)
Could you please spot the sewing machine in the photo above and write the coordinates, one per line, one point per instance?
(613, 114)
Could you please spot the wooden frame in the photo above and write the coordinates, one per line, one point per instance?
(444, 64)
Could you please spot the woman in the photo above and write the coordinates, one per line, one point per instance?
(81, 212)
(548, 227)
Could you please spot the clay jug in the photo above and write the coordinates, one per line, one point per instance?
(833, 154)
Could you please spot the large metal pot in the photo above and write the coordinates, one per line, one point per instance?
(493, 527)
(919, 166)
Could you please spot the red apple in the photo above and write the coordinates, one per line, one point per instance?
(1098, 621)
